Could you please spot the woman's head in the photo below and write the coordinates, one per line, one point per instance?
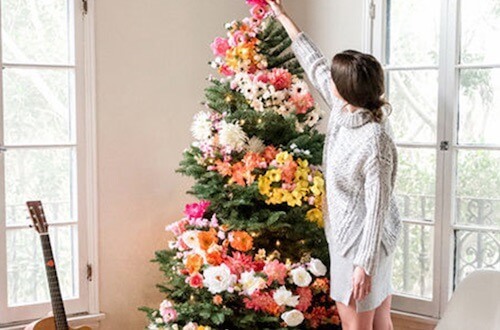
(359, 79)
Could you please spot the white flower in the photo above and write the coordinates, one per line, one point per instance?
(301, 277)
(256, 145)
(293, 318)
(317, 267)
(250, 283)
(232, 135)
(313, 117)
(190, 238)
(300, 87)
(257, 105)
(218, 278)
(190, 326)
(202, 126)
(282, 296)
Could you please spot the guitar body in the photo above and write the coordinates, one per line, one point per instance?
(49, 323)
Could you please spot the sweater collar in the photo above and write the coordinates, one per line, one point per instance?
(353, 119)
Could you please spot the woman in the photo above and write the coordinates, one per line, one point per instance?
(362, 222)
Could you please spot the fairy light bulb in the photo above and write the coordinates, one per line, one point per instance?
(278, 243)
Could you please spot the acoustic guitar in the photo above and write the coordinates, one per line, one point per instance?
(58, 321)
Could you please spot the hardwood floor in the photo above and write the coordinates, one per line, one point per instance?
(408, 322)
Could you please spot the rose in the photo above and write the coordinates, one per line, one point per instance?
(195, 280)
(293, 318)
(282, 296)
(190, 326)
(301, 277)
(220, 46)
(167, 311)
(259, 12)
(316, 267)
(280, 78)
(218, 279)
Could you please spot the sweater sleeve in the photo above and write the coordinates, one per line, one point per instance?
(378, 171)
(316, 68)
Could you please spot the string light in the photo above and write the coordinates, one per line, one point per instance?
(278, 243)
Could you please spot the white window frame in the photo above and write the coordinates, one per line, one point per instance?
(84, 309)
(448, 101)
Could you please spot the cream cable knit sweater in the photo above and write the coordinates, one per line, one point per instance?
(360, 165)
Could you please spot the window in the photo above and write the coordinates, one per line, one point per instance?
(46, 154)
(442, 64)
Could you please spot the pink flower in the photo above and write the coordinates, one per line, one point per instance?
(275, 271)
(170, 315)
(259, 11)
(257, 3)
(236, 38)
(167, 311)
(226, 70)
(262, 77)
(220, 46)
(196, 210)
(195, 280)
(305, 299)
(280, 78)
(177, 228)
(239, 263)
(302, 102)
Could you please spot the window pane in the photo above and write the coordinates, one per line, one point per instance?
(413, 95)
(479, 106)
(476, 250)
(36, 31)
(38, 106)
(42, 174)
(478, 188)
(416, 182)
(412, 272)
(26, 276)
(413, 32)
(480, 31)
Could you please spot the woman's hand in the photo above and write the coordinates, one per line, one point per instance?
(361, 283)
(276, 7)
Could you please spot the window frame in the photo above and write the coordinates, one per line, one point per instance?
(448, 67)
(86, 177)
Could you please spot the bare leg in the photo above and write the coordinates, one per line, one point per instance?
(382, 319)
(351, 320)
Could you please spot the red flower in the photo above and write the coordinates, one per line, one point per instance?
(195, 280)
(280, 78)
(239, 263)
(305, 298)
(257, 3)
(264, 302)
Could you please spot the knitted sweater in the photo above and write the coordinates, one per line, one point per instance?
(360, 164)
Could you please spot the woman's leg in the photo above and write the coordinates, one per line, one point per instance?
(351, 320)
(382, 319)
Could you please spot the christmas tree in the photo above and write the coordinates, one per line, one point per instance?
(252, 253)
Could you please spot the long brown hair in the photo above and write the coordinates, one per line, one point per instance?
(359, 79)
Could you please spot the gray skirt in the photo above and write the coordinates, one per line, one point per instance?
(341, 271)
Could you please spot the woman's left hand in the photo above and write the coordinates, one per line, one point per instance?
(361, 283)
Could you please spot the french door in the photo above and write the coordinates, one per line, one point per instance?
(442, 62)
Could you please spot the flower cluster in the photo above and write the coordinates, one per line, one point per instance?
(239, 51)
(294, 182)
(222, 261)
(279, 91)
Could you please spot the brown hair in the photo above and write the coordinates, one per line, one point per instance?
(359, 79)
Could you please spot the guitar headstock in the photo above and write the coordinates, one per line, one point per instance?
(37, 216)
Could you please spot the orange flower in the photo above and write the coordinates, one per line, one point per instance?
(194, 263)
(269, 153)
(288, 171)
(239, 174)
(214, 258)
(217, 300)
(207, 238)
(224, 168)
(241, 241)
(251, 160)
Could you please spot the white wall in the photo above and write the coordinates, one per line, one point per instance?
(151, 66)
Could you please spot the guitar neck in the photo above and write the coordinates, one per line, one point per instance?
(55, 291)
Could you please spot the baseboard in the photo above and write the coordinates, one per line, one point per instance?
(407, 321)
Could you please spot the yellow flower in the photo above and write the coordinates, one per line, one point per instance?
(274, 175)
(264, 186)
(283, 157)
(315, 215)
(303, 163)
(318, 186)
(301, 174)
